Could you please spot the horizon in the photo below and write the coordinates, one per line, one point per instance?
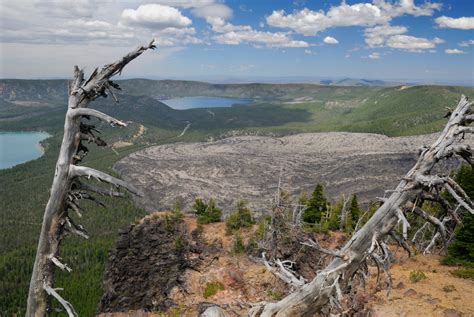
(234, 41)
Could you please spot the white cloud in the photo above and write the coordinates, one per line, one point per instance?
(330, 40)
(309, 52)
(154, 16)
(412, 43)
(216, 10)
(453, 51)
(463, 23)
(258, 38)
(466, 43)
(378, 35)
(308, 22)
(184, 3)
(374, 55)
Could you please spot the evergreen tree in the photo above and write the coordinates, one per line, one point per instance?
(461, 249)
(317, 206)
(354, 209)
(207, 213)
(333, 222)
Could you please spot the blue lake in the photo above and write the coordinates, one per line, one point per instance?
(204, 102)
(20, 147)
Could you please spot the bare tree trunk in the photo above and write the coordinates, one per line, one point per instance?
(67, 190)
(328, 286)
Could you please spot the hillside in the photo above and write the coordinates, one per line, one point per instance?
(205, 267)
(278, 110)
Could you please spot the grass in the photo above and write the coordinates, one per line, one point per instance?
(212, 289)
(417, 276)
(467, 273)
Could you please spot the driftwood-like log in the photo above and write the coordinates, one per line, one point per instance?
(64, 196)
(326, 288)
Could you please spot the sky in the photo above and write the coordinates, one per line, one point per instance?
(229, 40)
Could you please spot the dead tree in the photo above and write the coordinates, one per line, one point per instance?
(349, 265)
(67, 189)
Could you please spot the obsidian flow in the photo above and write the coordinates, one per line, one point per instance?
(148, 261)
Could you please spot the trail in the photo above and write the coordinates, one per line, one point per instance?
(185, 129)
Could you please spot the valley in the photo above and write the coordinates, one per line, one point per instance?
(280, 129)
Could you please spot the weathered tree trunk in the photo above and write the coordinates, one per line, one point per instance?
(329, 285)
(67, 190)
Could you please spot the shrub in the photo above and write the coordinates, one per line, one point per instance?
(449, 288)
(206, 213)
(240, 218)
(212, 289)
(239, 246)
(464, 273)
(417, 276)
(275, 294)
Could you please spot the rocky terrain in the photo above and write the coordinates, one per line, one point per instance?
(148, 276)
(250, 168)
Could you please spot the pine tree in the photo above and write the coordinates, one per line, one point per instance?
(317, 206)
(354, 208)
(333, 222)
(461, 249)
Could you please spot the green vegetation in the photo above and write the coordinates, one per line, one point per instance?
(212, 289)
(241, 218)
(467, 273)
(461, 250)
(275, 294)
(207, 213)
(39, 105)
(239, 246)
(353, 214)
(417, 276)
(316, 206)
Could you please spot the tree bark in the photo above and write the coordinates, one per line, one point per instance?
(56, 220)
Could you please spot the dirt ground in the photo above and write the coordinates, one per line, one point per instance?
(440, 294)
(245, 280)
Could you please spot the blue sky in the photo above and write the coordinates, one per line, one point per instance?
(233, 40)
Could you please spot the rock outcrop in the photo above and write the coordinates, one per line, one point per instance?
(148, 261)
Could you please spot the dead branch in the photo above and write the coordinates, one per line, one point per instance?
(368, 241)
(64, 192)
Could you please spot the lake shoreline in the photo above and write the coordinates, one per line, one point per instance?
(23, 146)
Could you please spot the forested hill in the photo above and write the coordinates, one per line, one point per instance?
(277, 108)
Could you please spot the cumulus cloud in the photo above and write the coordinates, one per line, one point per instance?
(453, 51)
(374, 55)
(308, 22)
(185, 3)
(463, 23)
(154, 16)
(258, 38)
(216, 10)
(330, 40)
(378, 35)
(412, 43)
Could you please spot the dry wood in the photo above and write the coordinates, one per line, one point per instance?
(64, 196)
(368, 243)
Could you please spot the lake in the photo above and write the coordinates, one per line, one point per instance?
(204, 102)
(20, 147)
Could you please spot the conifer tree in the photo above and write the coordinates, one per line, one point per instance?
(317, 206)
(461, 249)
